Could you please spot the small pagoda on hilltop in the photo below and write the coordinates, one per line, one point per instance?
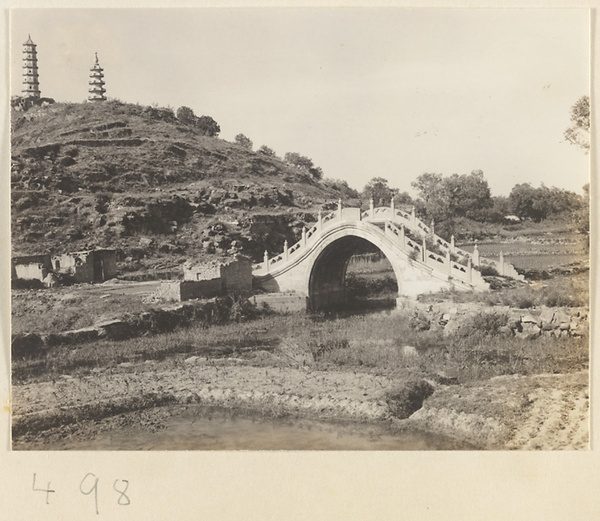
(31, 84)
(97, 90)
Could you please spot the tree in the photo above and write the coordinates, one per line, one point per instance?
(316, 172)
(468, 195)
(378, 190)
(295, 159)
(303, 163)
(522, 198)
(541, 203)
(582, 215)
(341, 186)
(186, 115)
(208, 126)
(579, 133)
(267, 151)
(433, 201)
(243, 141)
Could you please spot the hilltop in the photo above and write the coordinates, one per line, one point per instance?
(159, 190)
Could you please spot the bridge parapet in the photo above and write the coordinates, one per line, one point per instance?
(456, 263)
(308, 238)
(439, 263)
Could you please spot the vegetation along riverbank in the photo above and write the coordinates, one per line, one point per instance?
(512, 373)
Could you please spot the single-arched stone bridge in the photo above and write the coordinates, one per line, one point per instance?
(422, 261)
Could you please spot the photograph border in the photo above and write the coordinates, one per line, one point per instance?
(315, 485)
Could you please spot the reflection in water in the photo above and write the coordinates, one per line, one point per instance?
(209, 428)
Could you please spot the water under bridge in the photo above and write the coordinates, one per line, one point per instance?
(423, 262)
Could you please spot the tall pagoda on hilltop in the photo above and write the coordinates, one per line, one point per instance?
(31, 84)
(97, 89)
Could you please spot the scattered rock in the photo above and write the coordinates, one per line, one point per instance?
(409, 351)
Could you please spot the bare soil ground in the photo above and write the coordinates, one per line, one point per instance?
(508, 412)
(539, 412)
(534, 398)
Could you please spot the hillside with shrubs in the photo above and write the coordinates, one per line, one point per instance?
(158, 185)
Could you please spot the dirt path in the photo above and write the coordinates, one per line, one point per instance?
(539, 412)
(558, 417)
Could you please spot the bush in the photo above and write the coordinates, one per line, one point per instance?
(208, 126)
(484, 324)
(408, 397)
(267, 151)
(488, 271)
(319, 349)
(557, 299)
(358, 287)
(186, 115)
(242, 309)
(243, 141)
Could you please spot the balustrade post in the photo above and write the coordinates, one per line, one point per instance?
(476, 255)
(413, 217)
(320, 221)
(285, 250)
(372, 208)
(340, 209)
(402, 236)
(393, 208)
(304, 236)
(432, 229)
(266, 259)
(452, 247)
(424, 252)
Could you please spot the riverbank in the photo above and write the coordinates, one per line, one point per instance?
(509, 372)
(506, 412)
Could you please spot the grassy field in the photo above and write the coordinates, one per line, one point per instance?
(476, 383)
(354, 343)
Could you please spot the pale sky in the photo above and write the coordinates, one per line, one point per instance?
(363, 92)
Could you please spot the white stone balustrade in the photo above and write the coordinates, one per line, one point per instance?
(463, 269)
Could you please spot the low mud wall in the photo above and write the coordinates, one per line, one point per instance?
(161, 320)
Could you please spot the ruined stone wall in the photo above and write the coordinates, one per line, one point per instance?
(109, 261)
(237, 277)
(201, 272)
(34, 267)
(79, 265)
(31, 271)
(188, 289)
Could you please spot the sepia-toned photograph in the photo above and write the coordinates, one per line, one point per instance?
(300, 229)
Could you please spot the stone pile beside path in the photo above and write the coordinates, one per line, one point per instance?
(521, 323)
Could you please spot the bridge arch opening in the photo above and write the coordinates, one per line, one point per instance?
(350, 270)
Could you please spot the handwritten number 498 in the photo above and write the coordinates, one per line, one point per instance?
(88, 486)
